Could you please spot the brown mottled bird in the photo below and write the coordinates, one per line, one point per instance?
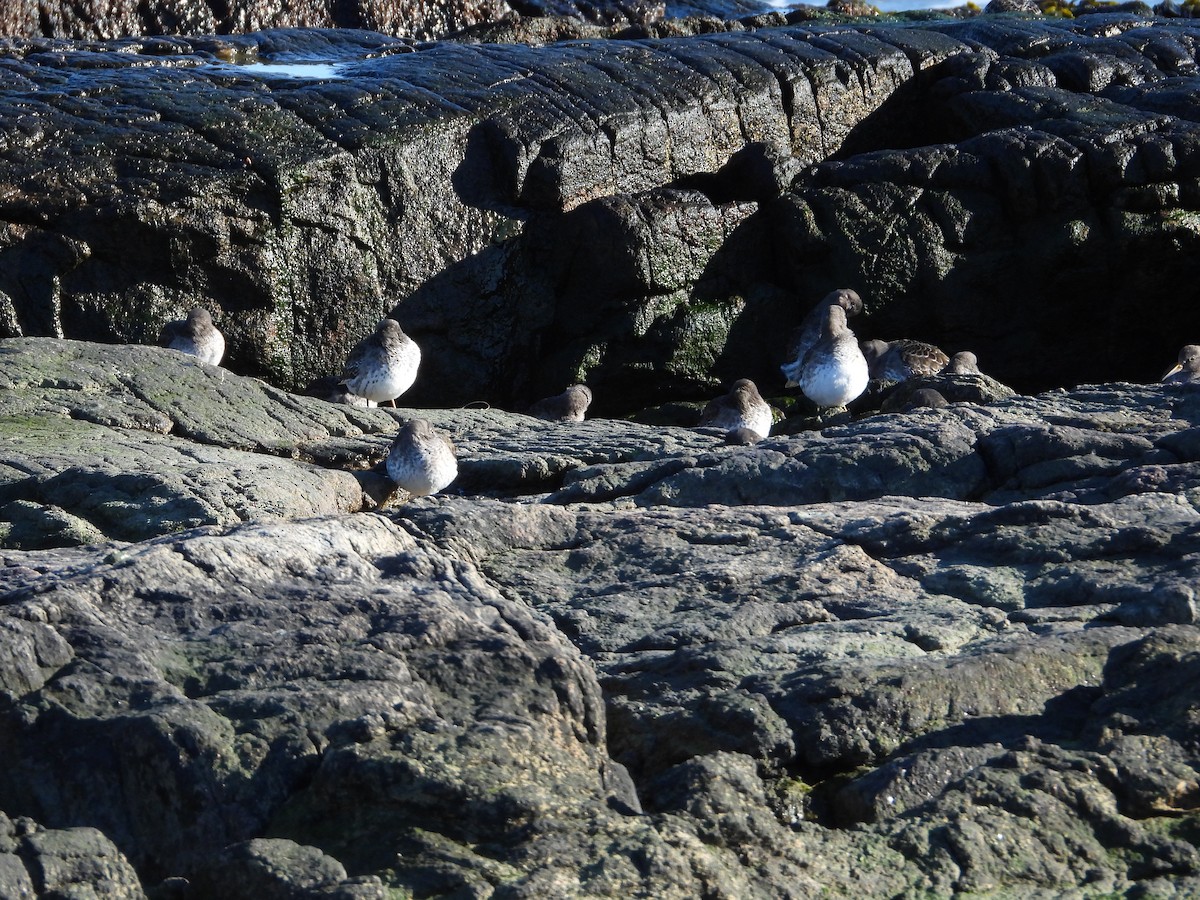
(742, 407)
(422, 459)
(1187, 370)
(196, 336)
(903, 359)
(803, 338)
(383, 365)
(569, 406)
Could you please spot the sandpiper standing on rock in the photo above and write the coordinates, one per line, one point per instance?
(742, 407)
(835, 370)
(809, 332)
(196, 336)
(1187, 370)
(903, 359)
(422, 459)
(569, 406)
(382, 366)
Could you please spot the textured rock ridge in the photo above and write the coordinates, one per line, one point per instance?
(130, 442)
(224, 747)
(646, 216)
(918, 653)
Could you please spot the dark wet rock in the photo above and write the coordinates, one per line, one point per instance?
(693, 195)
(535, 31)
(606, 12)
(953, 388)
(65, 862)
(1029, 7)
(106, 19)
(925, 397)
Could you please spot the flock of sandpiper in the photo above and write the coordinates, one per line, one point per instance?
(825, 360)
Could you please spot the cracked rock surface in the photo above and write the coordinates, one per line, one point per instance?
(613, 659)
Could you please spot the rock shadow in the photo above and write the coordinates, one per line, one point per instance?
(635, 294)
(954, 228)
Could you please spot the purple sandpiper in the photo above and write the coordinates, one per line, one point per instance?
(925, 397)
(422, 459)
(383, 365)
(742, 407)
(964, 362)
(809, 332)
(1187, 370)
(569, 406)
(835, 370)
(742, 437)
(196, 336)
(895, 361)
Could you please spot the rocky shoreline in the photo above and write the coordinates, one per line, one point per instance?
(882, 654)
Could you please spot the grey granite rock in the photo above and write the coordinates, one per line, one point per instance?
(282, 869)
(952, 388)
(897, 695)
(130, 442)
(353, 725)
(624, 659)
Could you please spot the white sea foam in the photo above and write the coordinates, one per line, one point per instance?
(292, 70)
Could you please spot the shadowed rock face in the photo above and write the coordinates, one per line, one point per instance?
(928, 652)
(651, 217)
